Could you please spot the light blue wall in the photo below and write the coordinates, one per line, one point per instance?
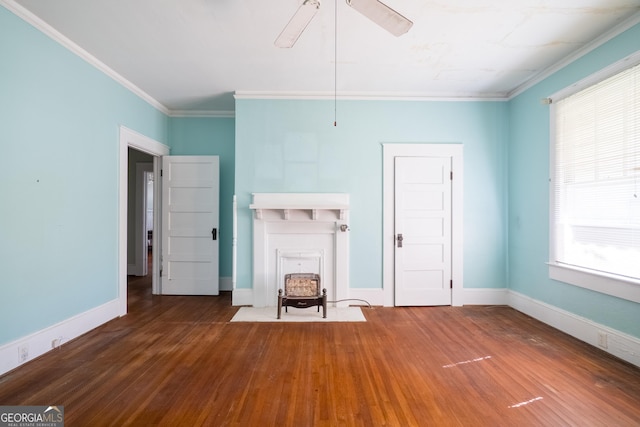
(59, 178)
(215, 137)
(59, 121)
(292, 146)
(529, 196)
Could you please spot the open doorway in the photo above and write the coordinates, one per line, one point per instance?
(151, 151)
(139, 212)
(148, 214)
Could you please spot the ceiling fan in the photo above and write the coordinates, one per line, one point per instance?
(375, 10)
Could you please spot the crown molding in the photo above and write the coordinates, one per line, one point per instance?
(370, 96)
(607, 36)
(54, 34)
(203, 113)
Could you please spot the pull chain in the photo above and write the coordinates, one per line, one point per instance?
(335, 64)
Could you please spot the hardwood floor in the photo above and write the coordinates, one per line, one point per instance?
(178, 361)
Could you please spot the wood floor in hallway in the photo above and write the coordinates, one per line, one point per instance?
(179, 361)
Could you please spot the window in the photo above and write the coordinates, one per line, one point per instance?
(595, 186)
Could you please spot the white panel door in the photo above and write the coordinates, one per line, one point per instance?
(423, 231)
(190, 212)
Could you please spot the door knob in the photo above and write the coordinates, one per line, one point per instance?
(400, 238)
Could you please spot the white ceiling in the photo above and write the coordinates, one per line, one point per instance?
(194, 54)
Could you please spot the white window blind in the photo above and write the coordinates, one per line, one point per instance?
(596, 203)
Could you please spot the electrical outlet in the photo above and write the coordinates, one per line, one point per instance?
(57, 342)
(23, 353)
(602, 340)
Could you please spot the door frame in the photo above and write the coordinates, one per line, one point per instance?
(129, 138)
(389, 152)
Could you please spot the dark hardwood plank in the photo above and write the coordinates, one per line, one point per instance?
(179, 361)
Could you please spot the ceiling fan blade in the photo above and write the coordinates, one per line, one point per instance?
(297, 23)
(382, 15)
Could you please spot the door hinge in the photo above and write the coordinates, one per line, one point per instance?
(451, 175)
(451, 284)
(160, 272)
(160, 172)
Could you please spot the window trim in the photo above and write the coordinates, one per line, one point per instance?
(610, 284)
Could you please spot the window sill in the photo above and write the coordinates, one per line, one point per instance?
(625, 288)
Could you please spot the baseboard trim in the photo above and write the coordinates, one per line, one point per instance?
(242, 297)
(374, 296)
(132, 269)
(481, 296)
(485, 296)
(225, 284)
(53, 336)
(610, 340)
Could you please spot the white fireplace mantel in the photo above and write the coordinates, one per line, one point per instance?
(313, 203)
(300, 230)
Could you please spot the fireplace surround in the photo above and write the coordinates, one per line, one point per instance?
(300, 233)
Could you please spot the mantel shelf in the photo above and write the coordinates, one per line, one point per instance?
(310, 202)
(286, 209)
